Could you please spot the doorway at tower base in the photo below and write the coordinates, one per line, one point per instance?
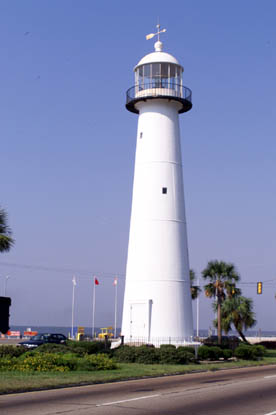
(142, 326)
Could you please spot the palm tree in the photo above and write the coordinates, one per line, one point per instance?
(195, 289)
(239, 312)
(6, 241)
(222, 278)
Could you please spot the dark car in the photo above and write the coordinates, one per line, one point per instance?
(230, 342)
(43, 338)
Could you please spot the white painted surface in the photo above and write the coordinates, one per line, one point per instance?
(157, 57)
(158, 264)
(128, 400)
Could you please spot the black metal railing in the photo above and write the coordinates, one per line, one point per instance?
(159, 89)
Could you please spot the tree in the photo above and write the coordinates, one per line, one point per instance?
(6, 241)
(222, 278)
(195, 289)
(238, 311)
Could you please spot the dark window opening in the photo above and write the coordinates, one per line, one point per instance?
(164, 190)
(141, 135)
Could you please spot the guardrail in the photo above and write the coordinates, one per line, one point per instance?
(159, 89)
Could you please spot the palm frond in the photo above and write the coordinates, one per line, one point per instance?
(6, 241)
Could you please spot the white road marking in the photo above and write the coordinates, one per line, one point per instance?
(128, 400)
(271, 413)
(268, 377)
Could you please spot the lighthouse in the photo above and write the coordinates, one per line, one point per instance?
(157, 301)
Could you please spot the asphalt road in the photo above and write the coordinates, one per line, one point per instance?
(250, 391)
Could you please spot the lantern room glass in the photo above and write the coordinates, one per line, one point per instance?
(159, 75)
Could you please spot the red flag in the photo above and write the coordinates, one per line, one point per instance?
(96, 281)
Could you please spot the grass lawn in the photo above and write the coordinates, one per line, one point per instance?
(21, 382)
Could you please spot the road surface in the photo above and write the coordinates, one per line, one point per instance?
(249, 391)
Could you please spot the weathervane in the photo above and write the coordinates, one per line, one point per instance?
(151, 35)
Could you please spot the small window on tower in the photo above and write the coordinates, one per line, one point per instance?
(164, 190)
(141, 135)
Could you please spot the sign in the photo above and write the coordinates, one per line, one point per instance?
(30, 333)
(14, 333)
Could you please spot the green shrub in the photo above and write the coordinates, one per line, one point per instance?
(54, 362)
(167, 347)
(203, 353)
(39, 362)
(259, 350)
(96, 362)
(248, 352)
(125, 354)
(86, 347)
(209, 353)
(51, 348)
(11, 351)
(184, 356)
(8, 363)
(188, 349)
(168, 354)
(146, 355)
(227, 354)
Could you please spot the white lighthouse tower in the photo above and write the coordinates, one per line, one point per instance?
(157, 301)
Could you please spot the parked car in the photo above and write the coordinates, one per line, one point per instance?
(43, 338)
(230, 342)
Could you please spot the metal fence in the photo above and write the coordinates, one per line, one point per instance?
(159, 89)
(158, 341)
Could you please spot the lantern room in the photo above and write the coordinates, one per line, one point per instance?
(159, 75)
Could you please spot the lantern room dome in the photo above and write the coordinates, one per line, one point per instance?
(158, 57)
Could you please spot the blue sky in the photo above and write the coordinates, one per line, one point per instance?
(68, 146)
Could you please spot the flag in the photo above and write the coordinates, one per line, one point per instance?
(115, 282)
(96, 281)
(74, 281)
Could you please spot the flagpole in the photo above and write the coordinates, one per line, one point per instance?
(93, 316)
(73, 305)
(197, 311)
(115, 324)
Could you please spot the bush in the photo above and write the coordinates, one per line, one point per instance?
(96, 362)
(11, 351)
(146, 355)
(8, 363)
(167, 347)
(51, 348)
(260, 350)
(46, 362)
(86, 347)
(125, 354)
(209, 353)
(184, 356)
(168, 354)
(53, 362)
(227, 354)
(248, 352)
(188, 349)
